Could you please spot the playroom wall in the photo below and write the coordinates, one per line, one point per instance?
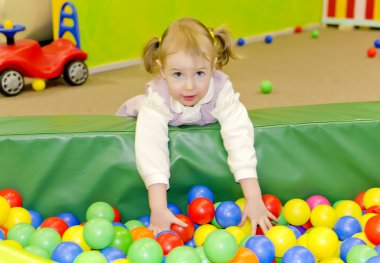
(113, 32)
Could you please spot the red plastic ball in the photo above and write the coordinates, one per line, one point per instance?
(4, 230)
(298, 29)
(273, 204)
(186, 233)
(373, 209)
(168, 241)
(371, 52)
(201, 211)
(12, 196)
(117, 217)
(56, 223)
(372, 229)
(359, 200)
(308, 224)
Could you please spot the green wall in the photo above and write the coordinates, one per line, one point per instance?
(115, 30)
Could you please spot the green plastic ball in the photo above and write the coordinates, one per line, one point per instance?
(183, 254)
(145, 250)
(100, 210)
(122, 239)
(266, 86)
(38, 251)
(220, 246)
(131, 224)
(314, 33)
(360, 254)
(22, 233)
(47, 238)
(98, 233)
(90, 256)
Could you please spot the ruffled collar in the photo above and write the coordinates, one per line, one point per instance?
(192, 114)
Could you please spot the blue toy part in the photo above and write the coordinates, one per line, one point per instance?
(74, 30)
(10, 33)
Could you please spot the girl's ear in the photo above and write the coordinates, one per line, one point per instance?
(160, 67)
(214, 64)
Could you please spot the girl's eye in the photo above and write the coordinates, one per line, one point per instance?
(199, 73)
(177, 74)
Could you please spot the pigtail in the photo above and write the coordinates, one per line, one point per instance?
(223, 44)
(150, 55)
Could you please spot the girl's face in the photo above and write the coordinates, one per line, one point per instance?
(188, 77)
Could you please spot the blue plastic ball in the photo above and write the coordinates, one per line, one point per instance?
(346, 226)
(166, 231)
(2, 237)
(112, 253)
(37, 219)
(377, 43)
(66, 252)
(200, 191)
(268, 39)
(227, 214)
(377, 248)
(298, 254)
(69, 218)
(262, 247)
(118, 224)
(240, 42)
(347, 245)
(295, 230)
(174, 209)
(375, 259)
(191, 243)
(145, 220)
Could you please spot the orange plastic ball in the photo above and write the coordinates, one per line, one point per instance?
(141, 232)
(244, 255)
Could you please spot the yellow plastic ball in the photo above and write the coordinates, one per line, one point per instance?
(323, 242)
(362, 236)
(8, 24)
(348, 208)
(202, 232)
(247, 227)
(18, 215)
(121, 260)
(241, 203)
(237, 232)
(332, 260)
(12, 244)
(302, 240)
(5, 209)
(371, 197)
(323, 215)
(38, 84)
(75, 234)
(363, 220)
(282, 238)
(296, 212)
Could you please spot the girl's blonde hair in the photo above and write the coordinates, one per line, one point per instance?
(191, 36)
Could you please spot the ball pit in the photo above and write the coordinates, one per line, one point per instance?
(98, 240)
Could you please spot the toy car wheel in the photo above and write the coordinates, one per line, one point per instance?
(75, 73)
(11, 82)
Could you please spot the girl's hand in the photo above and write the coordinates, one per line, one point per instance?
(162, 219)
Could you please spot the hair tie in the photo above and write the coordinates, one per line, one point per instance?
(211, 33)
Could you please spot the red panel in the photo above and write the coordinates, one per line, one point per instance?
(350, 8)
(369, 9)
(331, 8)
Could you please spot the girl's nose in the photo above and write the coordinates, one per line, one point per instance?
(189, 85)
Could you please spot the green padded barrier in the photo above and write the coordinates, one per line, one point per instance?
(65, 163)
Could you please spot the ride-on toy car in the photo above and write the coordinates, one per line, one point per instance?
(26, 58)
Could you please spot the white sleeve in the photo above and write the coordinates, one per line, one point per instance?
(151, 140)
(237, 133)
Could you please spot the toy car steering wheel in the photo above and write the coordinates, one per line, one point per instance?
(10, 32)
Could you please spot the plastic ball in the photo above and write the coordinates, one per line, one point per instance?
(202, 232)
(364, 237)
(273, 204)
(17, 215)
(46, 238)
(296, 212)
(316, 200)
(298, 254)
(145, 220)
(56, 223)
(371, 52)
(314, 34)
(241, 203)
(191, 243)
(323, 242)
(372, 229)
(359, 200)
(141, 232)
(12, 244)
(281, 219)
(186, 233)
(145, 250)
(371, 197)
(66, 252)
(112, 253)
(262, 247)
(376, 43)
(348, 208)
(295, 230)
(213, 221)
(90, 256)
(228, 214)
(8, 24)
(122, 239)
(346, 226)
(323, 215)
(237, 232)
(131, 224)
(100, 210)
(69, 218)
(331, 260)
(373, 209)
(98, 233)
(201, 210)
(75, 234)
(2, 235)
(282, 238)
(117, 215)
(375, 259)
(360, 254)
(37, 218)
(240, 42)
(244, 255)
(266, 86)
(38, 251)
(12, 196)
(38, 84)
(175, 209)
(22, 233)
(200, 191)
(298, 29)
(183, 255)
(5, 210)
(302, 240)
(168, 241)
(363, 220)
(220, 246)
(268, 39)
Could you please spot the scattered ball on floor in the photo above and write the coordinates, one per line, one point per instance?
(268, 39)
(240, 42)
(371, 52)
(314, 34)
(38, 84)
(266, 86)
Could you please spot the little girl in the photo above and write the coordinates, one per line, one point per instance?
(189, 89)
